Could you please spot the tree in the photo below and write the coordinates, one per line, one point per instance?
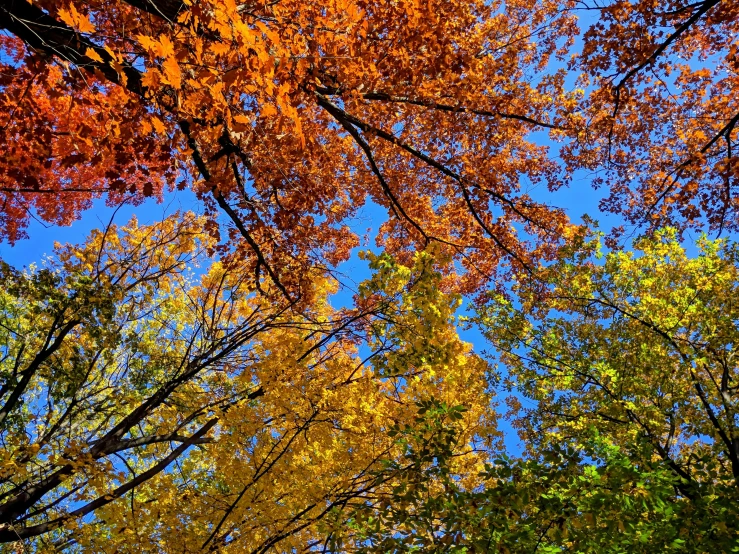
(285, 119)
(623, 386)
(147, 407)
(594, 499)
(634, 348)
(288, 117)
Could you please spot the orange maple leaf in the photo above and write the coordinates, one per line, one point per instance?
(76, 20)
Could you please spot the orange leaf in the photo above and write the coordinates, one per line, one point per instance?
(165, 48)
(76, 20)
(172, 73)
(147, 42)
(90, 53)
(158, 125)
(220, 48)
(151, 78)
(268, 110)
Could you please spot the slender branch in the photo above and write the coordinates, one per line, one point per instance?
(345, 122)
(385, 97)
(10, 534)
(43, 33)
(677, 173)
(707, 5)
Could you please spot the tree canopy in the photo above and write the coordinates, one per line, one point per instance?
(196, 384)
(635, 350)
(287, 117)
(116, 360)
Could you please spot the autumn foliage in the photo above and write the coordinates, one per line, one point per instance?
(160, 382)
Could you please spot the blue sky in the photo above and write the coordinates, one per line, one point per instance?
(41, 237)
